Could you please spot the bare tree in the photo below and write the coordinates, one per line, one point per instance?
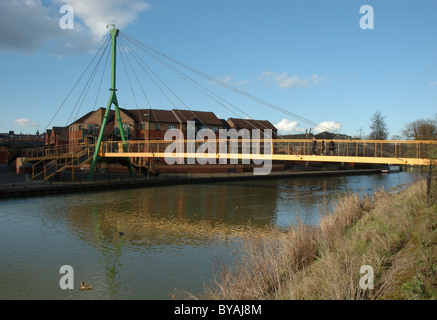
(378, 127)
(421, 129)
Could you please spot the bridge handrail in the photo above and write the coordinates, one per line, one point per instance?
(396, 149)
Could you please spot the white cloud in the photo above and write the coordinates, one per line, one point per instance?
(286, 82)
(26, 122)
(433, 84)
(26, 25)
(327, 126)
(286, 126)
(97, 14)
(227, 80)
(30, 25)
(241, 82)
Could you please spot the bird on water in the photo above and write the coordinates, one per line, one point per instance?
(84, 286)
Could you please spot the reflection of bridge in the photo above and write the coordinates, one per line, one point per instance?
(49, 161)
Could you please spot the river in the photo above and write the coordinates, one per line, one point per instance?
(145, 243)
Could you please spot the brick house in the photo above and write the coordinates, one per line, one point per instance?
(202, 120)
(151, 124)
(47, 136)
(58, 136)
(86, 129)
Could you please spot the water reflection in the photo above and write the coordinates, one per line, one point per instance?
(167, 222)
(143, 243)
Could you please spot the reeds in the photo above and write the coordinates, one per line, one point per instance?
(324, 262)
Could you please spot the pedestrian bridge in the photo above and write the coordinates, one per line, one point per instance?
(401, 152)
(50, 160)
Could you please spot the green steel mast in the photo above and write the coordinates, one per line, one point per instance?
(112, 101)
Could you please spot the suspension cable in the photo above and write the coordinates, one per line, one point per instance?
(77, 82)
(87, 86)
(236, 90)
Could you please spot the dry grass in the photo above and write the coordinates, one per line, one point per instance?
(324, 263)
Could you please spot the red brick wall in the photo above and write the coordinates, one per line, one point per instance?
(4, 156)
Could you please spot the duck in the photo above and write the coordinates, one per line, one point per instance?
(237, 207)
(84, 286)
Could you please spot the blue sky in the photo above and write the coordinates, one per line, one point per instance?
(309, 57)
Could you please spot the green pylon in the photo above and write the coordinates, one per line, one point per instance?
(112, 101)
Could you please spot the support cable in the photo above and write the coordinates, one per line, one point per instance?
(101, 80)
(159, 79)
(77, 82)
(236, 90)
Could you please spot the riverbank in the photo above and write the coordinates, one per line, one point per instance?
(14, 185)
(392, 233)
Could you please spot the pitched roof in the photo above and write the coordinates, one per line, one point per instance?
(251, 124)
(59, 130)
(298, 136)
(81, 119)
(205, 117)
(325, 135)
(331, 135)
(136, 115)
(225, 124)
(155, 115)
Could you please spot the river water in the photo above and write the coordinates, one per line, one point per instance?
(145, 243)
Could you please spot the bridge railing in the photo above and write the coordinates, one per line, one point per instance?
(54, 151)
(356, 148)
(344, 148)
(187, 146)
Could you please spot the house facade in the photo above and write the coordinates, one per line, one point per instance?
(201, 119)
(86, 129)
(144, 124)
(151, 124)
(58, 136)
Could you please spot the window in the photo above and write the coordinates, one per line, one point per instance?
(157, 126)
(171, 126)
(143, 126)
(214, 129)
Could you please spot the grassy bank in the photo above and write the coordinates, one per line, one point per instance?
(394, 232)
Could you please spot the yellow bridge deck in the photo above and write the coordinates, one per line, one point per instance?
(402, 152)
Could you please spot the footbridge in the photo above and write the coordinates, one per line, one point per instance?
(51, 160)
(400, 152)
